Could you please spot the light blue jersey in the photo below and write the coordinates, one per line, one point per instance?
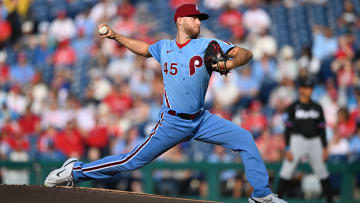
(186, 81)
(185, 76)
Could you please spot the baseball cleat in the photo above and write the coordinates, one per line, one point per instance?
(62, 175)
(272, 198)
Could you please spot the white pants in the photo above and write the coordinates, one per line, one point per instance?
(305, 147)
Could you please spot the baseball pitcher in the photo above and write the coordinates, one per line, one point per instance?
(187, 63)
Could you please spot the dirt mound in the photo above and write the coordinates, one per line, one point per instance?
(39, 194)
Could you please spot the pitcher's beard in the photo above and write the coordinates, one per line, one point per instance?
(193, 33)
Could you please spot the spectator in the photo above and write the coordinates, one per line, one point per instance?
(6, 31)
(42, 54)
(62, 28)
(264, 71)
(22, 72)
(255, 121)
(54, 116)
(226, 90)
(82, 47)
(232, 19)
(338, 148)
(255, 19)
(349, 18)
(69, 141)
(270, 146)
(346, 47)
(219, 110)
(21, 7)
(29, 123)
(64, 56)
(346, 77)
(330, 103)
(86, 24)
(126, 24)
(345, 125)
(263, 44)
(325, 44)
(39, 92)
(4, 70)
(119, 99)
(125, 145)
(287, 67)
(283, 95)
(83, 115)
(248, 87)
(16, 102)
(103, 11)
(98, 137)
(46, 146)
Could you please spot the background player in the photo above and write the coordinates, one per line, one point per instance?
(305, 136)
(182, 116)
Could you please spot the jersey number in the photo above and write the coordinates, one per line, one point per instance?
(195, 62)
(173, 69)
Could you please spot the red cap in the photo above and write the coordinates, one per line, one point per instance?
(187, 10)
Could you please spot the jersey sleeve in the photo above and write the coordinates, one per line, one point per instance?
(155, 49)
(289, 118)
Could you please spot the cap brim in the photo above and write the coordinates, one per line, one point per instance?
(202, 16)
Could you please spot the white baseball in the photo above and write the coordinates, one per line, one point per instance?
(103, 30)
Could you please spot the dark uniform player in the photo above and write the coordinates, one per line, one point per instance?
(305, 136)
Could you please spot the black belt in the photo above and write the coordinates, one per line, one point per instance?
(185, 115)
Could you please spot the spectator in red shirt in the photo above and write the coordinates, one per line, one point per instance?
(255, 120)
(65, 55)
(270, 146)
(119, 99)
(126, 9)
(70, 141)
(29, 123)
(345, 125)
(98, 137)
(232, 19)
(18, 142)
(6, 30)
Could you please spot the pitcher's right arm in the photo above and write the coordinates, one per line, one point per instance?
(136, 46)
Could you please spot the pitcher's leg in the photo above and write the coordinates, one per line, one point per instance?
(160, 140)
(216, 130)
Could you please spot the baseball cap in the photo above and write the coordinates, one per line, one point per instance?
(306, 82)
(187, 10)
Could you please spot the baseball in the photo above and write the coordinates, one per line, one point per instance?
(103, 30)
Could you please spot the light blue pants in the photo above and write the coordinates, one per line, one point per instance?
(171, 130)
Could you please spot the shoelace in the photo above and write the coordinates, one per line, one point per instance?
(70, 181)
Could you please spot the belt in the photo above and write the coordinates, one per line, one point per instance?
(185, 115)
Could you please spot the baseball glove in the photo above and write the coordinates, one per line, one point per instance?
(214, 55)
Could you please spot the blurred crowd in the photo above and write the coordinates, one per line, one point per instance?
(66, 92)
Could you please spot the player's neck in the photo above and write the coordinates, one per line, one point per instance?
(304, 100)
(182, 38)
